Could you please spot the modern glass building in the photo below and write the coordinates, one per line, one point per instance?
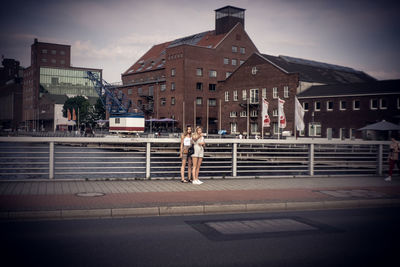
(63, 81)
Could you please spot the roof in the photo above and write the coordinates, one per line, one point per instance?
(318, 72)
(369, 88)
(155, 57)
(381, 126)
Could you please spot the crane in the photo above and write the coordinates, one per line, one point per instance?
(122, 120)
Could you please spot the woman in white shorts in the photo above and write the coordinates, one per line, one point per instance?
(197, 157)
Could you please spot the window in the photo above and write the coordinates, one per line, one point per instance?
(317, 106)
(253, 96)
(173, 72)
(264, 93)
(242, 50)
(213, 73)
(129, 91)
(342, 133)
(62, 52)
(233, 114)
(199, 101)
(234, 62)
(243, 113)
(356, 104)
(254, 70)
(382, 103)
(244, 94)
(53, 52)
(212, 102)
(254, 113)
(151, 90)
(373, 104)
(233, 127)
(275, 92)
(227, 74)
(44, 60)
(172, 86)
(117, 120)
(172, 100)
(314, 129)
(234, 49)
(352, 133)
(275, 126)
(140, 91)
(163, 101)
(199, 86)
(342, 105)
(62, 61)
(44, 51)
(212, 87)
(305, 106)
(235, 95)
(226, 61)
(254, 127)
(199, 72)
(275, 112)
(53, 61)
(241, 62)
(329, 105)
(286, 91)
(226, 96)
(163, 87)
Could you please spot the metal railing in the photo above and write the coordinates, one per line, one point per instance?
(158, 158)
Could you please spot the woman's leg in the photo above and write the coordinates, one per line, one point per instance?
(199, 161)
(183, 168)
(189, 168)
(391, 166)
(194, 163)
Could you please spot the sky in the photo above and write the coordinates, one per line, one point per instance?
(113, 35)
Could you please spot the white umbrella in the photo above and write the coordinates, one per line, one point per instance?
(381, 126)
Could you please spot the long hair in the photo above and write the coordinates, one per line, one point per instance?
(185, 132)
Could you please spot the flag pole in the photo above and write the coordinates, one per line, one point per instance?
(279, 118)
(262, 118)
(295, 118)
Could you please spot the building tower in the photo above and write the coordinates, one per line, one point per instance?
(227, 17)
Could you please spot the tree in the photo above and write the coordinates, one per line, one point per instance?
(99, 112)
(81, 104)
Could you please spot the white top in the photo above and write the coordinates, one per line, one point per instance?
(186, 141)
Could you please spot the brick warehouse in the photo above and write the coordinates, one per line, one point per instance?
(178, 79)
(217, 79)
(337, 111)
(270, 77)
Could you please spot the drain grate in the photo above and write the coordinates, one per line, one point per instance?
(90, 194)
(258, 228)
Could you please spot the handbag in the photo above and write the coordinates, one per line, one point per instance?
(191, 150)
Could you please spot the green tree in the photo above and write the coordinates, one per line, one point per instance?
(78, 103)
(99, 112)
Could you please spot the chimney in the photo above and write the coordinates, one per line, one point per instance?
(227, 17)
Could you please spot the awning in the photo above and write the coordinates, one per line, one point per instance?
(381, 126)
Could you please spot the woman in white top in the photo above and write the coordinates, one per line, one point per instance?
(186, 142)
(197, 157)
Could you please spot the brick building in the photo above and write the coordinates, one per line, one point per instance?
(10, 94)
(270, 77)
(51, 73)
(337, 111)
(178, 79)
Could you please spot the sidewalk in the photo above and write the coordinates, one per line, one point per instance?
(82, 199)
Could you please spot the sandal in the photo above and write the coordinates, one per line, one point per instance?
(184, 181)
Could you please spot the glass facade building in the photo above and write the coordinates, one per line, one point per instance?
(59, 81)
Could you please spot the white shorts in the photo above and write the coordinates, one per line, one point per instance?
(198, 151)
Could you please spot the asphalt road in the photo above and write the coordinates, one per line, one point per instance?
(362, 237)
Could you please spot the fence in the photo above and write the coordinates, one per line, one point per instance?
(158, 158)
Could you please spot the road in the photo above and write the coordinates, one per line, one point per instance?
(356, 237)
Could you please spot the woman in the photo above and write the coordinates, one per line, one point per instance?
(186, 142)
(197, 157)
(393, 158)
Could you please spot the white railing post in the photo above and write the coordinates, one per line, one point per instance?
(234, 160)
(311, 159)
(148, 152)
(51, 160)
(380, 159)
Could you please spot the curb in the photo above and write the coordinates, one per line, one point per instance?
(194, 210)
